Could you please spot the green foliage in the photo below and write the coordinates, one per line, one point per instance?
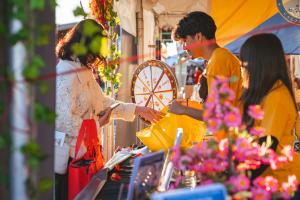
(31, 36)
(89, 29)
(37, 4)
(43, 87)
(43, 114)
(33, 152)
(45, 185)
(42, 35)
(32, 70)
(78, 11)
(79, 49)
(21, 35)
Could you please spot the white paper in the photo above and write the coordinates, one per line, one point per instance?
(59, 138)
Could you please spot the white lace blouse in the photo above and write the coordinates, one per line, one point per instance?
(78, 97)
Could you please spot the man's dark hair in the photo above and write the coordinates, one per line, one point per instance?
(196, 22)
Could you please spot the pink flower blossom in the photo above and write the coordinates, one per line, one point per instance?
(257, 131)
(240, 182)
(287, 190)
(232, 119)
(227, 93)
(292, 180)
(214, 124)
(223, 145)
(259, 182)
(260, 194)
(288, 152)
(256, 112)
(271, 184)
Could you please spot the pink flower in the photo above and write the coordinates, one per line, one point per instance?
(257, 131)
(214, 124)
(259, 182)
(292, 180)
(287, 190)
(256, 112)
(223, 145)
(260, 194)
(271, 184)
(288, 152)
(184, 162)
(227, 93)
(232, 119)
(240, 182)
(209, 165)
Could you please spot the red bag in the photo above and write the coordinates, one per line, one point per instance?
(81, 170)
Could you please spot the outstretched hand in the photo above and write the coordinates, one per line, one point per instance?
(149, 114)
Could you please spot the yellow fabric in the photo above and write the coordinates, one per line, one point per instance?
(224, 63)
(235, 18)
(279, 121)
(162, 134)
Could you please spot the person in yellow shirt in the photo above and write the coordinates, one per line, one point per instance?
(267, 83)
(197, 33)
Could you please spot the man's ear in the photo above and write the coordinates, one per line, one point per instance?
(199, 36)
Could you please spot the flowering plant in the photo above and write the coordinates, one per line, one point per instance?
(229, 157)
(105, 15)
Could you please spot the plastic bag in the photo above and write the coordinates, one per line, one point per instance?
(161, 136)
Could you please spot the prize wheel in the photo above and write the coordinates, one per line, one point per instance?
(153, 85)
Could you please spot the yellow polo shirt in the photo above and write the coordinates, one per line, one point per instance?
(224, 63)
(279, 121)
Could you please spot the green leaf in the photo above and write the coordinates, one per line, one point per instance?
(78, 11)
(37, 62)
(19, 36)
(79, 49)
(95, 44)
(43, 87)
(43, 114)
(90, 29)
(53, 4)
(45, 185)
(31, 72)
(33, 163)
(37, 4)
(43, 32)
(34, 152)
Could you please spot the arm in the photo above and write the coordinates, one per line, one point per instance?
(177, 108)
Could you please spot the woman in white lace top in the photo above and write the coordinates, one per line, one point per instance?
(78, 95)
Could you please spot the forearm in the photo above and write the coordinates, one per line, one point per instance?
(192, 112)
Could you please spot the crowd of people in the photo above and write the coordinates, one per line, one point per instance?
(260, 77)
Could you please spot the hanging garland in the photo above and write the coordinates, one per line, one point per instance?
(103, 12)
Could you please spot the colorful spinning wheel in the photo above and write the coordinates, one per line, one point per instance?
(153, 85)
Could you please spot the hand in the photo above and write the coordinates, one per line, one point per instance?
(176, 108)
(149, 114)
(104, 116)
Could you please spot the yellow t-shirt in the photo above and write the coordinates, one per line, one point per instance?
(279, 121)
(224, 63)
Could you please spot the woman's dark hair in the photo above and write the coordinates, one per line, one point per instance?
(264, 60)
(196, 22)
(87, 34)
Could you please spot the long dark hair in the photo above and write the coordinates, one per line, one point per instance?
(87, 33)
(264, 60)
